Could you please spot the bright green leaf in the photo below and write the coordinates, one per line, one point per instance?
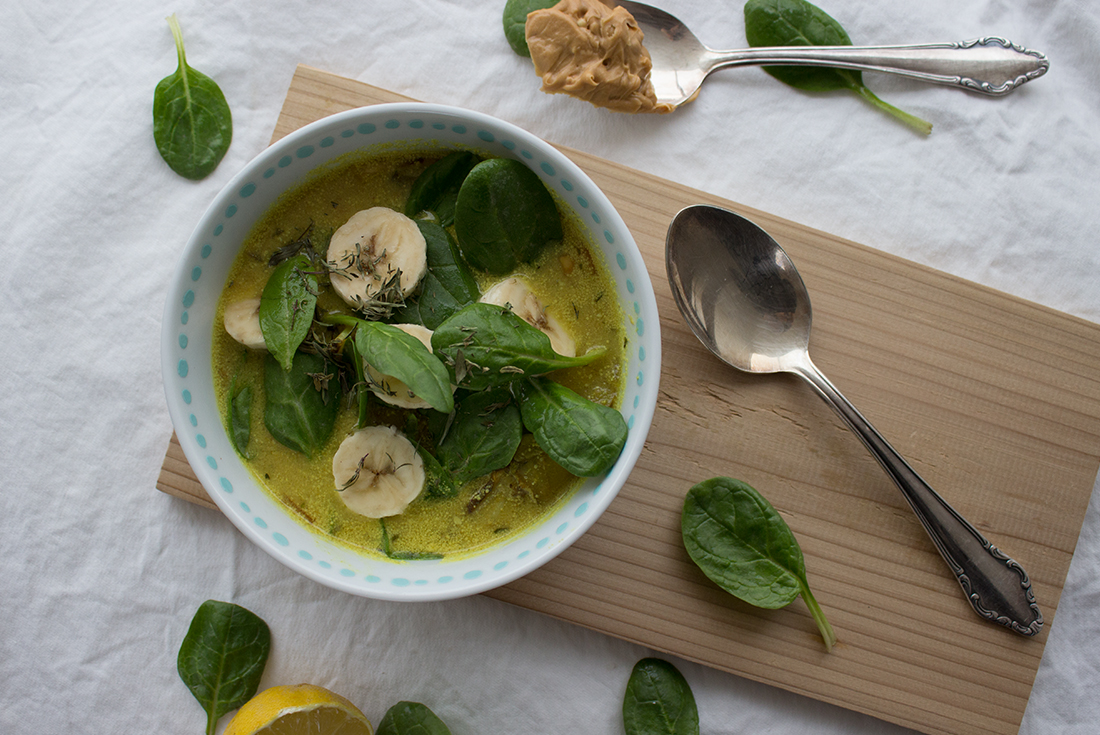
(800, 23)
(744, 546)
(192, 124)
(222, 657)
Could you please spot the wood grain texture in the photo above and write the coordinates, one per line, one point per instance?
(994, 400)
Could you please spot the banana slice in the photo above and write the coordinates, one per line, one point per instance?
(376, 250)
(390, 389)
(378, 472)
(242, 322)
(515, 292)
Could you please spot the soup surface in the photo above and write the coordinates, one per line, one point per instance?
(572, 283)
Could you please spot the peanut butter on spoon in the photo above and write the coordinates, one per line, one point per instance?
(588, 50)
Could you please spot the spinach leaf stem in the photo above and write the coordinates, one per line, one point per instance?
(921, 126)
(827, 634)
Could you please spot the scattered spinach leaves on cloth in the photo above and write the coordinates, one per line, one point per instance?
(411, 718)
(799, 23)
(659, 701)
(743, 545)
(515, 22)
(192, 125)
(222, 657)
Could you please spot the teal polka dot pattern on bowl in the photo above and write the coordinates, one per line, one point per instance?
(188, 328)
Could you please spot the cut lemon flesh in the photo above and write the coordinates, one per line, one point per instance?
(303, 709)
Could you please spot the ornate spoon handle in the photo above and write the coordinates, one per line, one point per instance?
(991, 65)
(996, 586)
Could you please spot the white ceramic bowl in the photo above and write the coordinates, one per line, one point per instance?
(188, 331)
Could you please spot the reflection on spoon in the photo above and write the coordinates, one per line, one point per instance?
(993, 66)
(744, 299)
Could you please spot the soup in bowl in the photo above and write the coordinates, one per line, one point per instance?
(411, 351)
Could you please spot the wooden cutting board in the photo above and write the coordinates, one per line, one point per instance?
(994, 400)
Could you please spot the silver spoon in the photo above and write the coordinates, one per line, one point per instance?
(992, 65)
(743, 298)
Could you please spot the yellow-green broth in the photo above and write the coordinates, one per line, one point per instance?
(573, 284)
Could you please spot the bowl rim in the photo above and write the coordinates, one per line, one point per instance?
(645, 303)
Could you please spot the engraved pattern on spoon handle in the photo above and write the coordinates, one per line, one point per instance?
(991, 65)
(996, 586)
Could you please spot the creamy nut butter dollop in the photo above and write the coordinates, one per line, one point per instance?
(594, 52)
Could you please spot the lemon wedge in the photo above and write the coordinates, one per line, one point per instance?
(303, 709)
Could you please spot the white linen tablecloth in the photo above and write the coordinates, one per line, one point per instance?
(101, 574)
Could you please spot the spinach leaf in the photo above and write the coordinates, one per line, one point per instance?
(192, 125)
(739, 540)
(222, 657)
(484, 345)
(239, 413)
(515, 22)
(659, 701)
(799, 23)
(391, 351)
(411, 718)
(392, 553)
(362, 393)
(438, 481)
(301, 403)
(484, 436)
(447, 286)
(436, 190)
(286, 308)
(582, 436)
(505, 216)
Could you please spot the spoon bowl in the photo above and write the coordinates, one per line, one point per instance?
(743, 298)
(992, 65)
(753, 312)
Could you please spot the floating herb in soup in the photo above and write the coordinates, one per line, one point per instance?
(394, 396)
